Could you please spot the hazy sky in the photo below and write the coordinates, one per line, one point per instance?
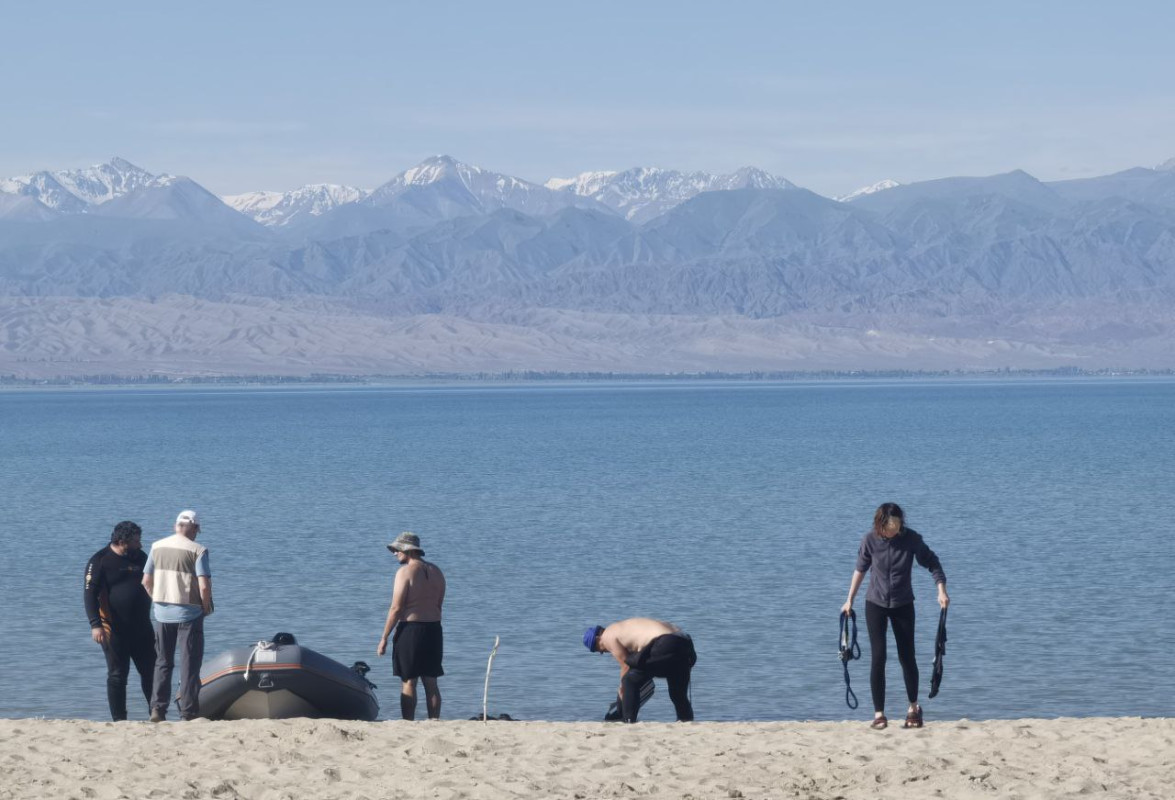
(831, 95)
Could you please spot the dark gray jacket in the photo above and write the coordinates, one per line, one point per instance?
(889, 562)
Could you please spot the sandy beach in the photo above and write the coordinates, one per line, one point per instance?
(270, 760)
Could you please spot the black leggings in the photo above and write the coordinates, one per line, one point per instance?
(877, 619)
(670, 657)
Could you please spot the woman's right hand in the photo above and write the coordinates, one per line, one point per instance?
(847, 608)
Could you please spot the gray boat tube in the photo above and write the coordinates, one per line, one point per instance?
(281, 679)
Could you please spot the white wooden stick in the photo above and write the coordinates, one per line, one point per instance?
(485, 698)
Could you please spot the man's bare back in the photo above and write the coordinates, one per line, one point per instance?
(633, 635)
(420, 586)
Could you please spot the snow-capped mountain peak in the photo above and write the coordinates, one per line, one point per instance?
(1167, 166)
(585, 184)
(434, 169)
(441, 168)
(276, 209)
(455, 184)
(252, 203)
(642, 193)
(880, 186)
(750, 178)
(75, 191)
(44, 189)
(104, 182)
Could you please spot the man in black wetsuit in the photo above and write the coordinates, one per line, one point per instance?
(120, 613)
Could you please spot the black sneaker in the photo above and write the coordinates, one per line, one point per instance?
(158, 716)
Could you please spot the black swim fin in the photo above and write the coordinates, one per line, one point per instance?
(616, 711)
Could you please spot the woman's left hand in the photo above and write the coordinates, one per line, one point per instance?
(943, 600)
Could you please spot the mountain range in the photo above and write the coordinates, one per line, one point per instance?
(607, 270)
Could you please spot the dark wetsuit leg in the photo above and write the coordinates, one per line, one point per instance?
(118, 662)
(634, 679)
(121, 649)
(679, 661)
(142, 653)
(671, 657)
(679, 694)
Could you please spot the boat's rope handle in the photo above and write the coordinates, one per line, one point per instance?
(262, 645)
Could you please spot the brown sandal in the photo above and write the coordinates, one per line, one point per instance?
(914, 719)
(879, 723)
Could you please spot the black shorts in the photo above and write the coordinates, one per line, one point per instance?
(417, 649)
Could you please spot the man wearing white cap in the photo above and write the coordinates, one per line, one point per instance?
(180, 583)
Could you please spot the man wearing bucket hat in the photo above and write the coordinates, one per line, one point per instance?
(647, 649)
(415, 616)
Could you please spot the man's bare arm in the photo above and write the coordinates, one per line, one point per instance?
(620, 653)
(205, 593)
(394, 610)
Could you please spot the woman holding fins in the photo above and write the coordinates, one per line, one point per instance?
(888, 552)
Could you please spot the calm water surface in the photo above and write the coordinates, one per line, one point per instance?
(734, 510)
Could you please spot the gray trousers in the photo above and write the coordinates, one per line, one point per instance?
(190, 637)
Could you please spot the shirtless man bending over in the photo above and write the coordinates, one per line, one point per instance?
(415, 614)
(647, 648)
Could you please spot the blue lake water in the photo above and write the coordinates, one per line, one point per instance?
(734, 510)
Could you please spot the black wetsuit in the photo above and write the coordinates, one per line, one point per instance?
(670, 656)
(116, 601)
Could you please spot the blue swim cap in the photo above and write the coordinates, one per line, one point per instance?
(590, 636)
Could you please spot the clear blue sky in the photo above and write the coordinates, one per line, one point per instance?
(832, 95)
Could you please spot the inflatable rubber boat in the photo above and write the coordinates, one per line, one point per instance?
(280, 679)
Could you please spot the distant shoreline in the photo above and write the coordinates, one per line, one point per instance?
(523, 377)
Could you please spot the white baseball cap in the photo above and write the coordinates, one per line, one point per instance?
(188, 516)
